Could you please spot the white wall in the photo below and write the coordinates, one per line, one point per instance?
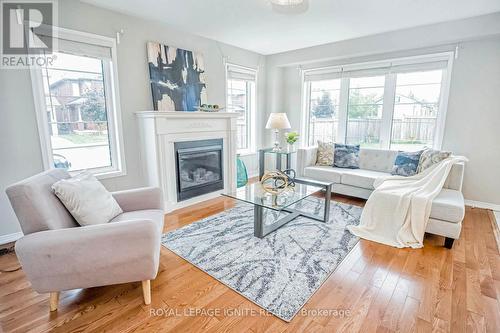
(473, 116)
(19, 142)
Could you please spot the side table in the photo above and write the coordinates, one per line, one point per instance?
(262, 158)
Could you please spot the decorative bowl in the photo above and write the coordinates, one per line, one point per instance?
(205, 109)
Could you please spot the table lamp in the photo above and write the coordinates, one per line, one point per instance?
(276, 122)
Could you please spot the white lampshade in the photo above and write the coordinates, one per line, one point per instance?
(278, 121)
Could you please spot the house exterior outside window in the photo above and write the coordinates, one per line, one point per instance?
(396, 104)
(77, 106)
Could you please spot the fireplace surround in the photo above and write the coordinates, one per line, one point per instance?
(164, 134)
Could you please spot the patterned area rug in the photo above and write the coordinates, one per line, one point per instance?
(279, 272)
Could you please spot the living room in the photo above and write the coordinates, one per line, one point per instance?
(250, 165)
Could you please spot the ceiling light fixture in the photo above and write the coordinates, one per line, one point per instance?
(290, 6)
(287, 2)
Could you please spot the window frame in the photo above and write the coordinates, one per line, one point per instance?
(374, 69)
(251, 102)
(112, 100)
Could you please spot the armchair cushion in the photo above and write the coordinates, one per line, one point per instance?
(406, 163)
(87, 199)
(325, 153)
(90, 256)
(430, 157)
(346, 156)
(156, 215)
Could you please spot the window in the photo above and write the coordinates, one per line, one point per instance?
(77, 107)
(398, 104)
(323, 118)
(241, 83)
(415, 109)
(364, 110)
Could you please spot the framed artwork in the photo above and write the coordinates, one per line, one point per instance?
(177, 78)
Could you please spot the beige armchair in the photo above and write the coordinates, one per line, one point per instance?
(57, 254)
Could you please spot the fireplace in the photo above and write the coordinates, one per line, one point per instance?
(198, 167)
(163, 133)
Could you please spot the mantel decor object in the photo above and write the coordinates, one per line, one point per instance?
(209, 108)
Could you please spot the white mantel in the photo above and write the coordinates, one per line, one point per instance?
(160, 130)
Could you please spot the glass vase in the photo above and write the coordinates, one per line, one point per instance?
(241, 172)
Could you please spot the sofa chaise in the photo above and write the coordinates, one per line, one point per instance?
(448, 208)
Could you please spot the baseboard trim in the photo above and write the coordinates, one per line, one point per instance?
(9, 238)
(480, 204)
(496, 214)
(496, 217)
(495, 224)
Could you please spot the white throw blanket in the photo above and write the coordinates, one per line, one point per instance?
(398, 210)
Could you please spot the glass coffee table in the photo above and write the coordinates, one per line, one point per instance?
(282, 202)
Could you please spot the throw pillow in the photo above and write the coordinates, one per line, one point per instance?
(87, 199)
(406, 163)
(430, 157)
(325, 153)
(346, 156)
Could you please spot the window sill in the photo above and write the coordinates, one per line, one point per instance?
(110, 174)
(245, 152)
(101, 174)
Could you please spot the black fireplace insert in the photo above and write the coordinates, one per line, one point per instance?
(198, 167)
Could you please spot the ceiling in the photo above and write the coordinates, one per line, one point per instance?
(254, 25)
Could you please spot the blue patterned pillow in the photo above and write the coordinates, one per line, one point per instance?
(346, 156)
(406, 163)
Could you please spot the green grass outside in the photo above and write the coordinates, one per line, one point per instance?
(84, 138)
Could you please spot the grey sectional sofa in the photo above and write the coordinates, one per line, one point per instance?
(448, 208)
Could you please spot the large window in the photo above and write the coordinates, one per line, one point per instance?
(397, 105)
(416, 109)
(324, 110)
(364, 110)
(77, 108)
(241, 83)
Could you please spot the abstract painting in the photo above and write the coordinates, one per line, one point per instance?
(177, 78)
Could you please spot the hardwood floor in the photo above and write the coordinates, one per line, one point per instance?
(377, 287)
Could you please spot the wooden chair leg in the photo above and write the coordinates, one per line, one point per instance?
(54, 300)
(146, 291)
